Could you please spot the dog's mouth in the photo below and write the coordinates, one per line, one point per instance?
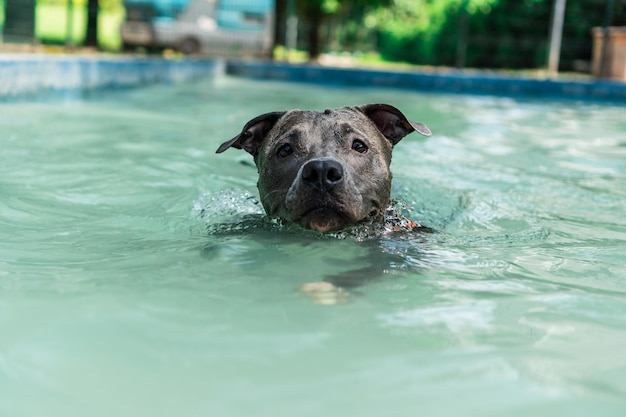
(332, 218)
(329, 211)
(324, 219)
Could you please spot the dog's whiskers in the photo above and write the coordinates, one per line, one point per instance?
(266, 198)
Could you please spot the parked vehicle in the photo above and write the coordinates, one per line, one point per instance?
(224, 27)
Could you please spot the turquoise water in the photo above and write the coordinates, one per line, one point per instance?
(139, 278)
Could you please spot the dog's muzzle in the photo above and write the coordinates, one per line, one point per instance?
(322, 174)
(319, 198)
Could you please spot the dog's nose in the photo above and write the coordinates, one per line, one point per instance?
(322, 174)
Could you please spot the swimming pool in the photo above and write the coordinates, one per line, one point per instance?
(138, 277)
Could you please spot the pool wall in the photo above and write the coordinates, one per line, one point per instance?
(37, 76)
(469, 82)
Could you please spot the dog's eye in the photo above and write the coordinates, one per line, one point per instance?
(359, 146)
(284, 151)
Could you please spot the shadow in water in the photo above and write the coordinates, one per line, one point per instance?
(354, 257)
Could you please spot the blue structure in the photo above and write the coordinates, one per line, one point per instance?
(445, 82)
(24, 76)
(224, 27)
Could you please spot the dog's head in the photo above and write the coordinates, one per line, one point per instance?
(325, 170)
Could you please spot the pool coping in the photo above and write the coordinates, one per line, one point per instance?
(34, 76)
(439, 81)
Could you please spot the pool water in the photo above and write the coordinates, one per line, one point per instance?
(138, 276)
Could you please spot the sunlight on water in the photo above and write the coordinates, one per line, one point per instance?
(140, 277)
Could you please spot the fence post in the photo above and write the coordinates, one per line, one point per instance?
(608, 18)
(556, 34)
(462, 38)
(91, 35)
(69, 24)
(291, 38)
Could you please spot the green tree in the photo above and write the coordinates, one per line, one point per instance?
(316, 12)
(498, 33)
(424, 31)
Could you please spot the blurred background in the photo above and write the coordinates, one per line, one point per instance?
(498, 34)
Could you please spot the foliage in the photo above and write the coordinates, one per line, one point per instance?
(415, 30)
(51, 24)
(104, 4)
(316, 14)
(516, 33)
(331, 7)
(488, 33)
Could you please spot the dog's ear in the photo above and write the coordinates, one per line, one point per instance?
(253, 133)
(391, 122)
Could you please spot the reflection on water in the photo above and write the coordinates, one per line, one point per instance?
(139, 275)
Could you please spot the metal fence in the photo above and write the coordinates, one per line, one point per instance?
(513, 34)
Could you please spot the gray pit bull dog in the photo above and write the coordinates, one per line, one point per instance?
(325, 170)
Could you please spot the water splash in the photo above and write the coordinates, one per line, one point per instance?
(395, 221)
(231, 211)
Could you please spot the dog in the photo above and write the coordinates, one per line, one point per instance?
(329, 170)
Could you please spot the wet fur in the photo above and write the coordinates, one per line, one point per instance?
(361, 192)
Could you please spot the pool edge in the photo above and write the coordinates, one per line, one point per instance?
(33, 76)
(40, 75)
(448, 81)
